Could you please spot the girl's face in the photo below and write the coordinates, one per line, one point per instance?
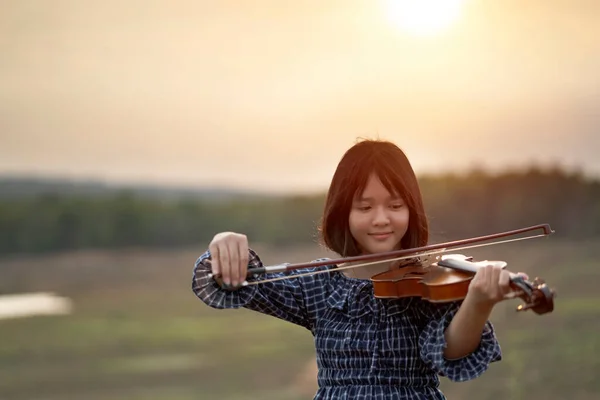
(378, 219)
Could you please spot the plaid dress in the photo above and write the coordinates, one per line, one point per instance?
(367, 348)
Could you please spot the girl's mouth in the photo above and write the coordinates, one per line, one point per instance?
(380, 236)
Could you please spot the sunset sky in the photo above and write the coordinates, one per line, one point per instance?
(269, 93)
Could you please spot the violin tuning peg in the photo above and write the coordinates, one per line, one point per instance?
(524, 307)
(538, 281)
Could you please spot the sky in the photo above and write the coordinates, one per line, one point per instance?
(268, 94)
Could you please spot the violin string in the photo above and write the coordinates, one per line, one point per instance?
(418, 255)
(279, 278)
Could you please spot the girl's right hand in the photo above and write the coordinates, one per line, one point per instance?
(229, 257)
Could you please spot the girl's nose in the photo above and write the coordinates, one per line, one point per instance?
(381, 217)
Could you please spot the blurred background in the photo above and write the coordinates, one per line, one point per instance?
(133, 131)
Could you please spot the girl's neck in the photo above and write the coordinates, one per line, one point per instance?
(367, 271)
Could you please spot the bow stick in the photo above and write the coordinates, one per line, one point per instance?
(395, 255)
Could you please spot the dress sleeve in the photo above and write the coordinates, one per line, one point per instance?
(283, 299)
(432, 344)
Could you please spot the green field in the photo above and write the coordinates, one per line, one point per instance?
(138, 332)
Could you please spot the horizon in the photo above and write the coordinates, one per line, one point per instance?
(244, 189)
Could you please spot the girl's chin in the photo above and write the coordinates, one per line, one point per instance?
(381, 248)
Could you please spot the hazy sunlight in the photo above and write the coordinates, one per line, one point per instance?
(423, 17)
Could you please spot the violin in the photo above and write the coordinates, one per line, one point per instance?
(448, 280)
(444, 280)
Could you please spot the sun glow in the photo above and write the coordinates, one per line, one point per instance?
(423, 17)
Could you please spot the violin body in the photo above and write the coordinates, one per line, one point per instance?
(434, 283)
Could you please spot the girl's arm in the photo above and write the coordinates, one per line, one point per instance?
(489, 286)
(463, 335)
(458, 340)
(445, 354)
(285, 299)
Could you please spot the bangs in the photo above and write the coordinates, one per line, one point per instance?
(389, 171)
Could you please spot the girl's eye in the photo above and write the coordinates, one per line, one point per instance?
(397, 206)
(364, 208)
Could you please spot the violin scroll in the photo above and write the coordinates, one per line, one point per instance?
(538, 296)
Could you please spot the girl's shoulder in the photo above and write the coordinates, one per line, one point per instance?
(317, 275)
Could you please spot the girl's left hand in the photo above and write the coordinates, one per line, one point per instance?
(490, 285)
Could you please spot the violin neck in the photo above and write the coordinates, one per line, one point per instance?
(459, 265)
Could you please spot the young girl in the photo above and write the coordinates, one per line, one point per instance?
(367, 348)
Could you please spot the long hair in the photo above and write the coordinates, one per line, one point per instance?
(392, 167)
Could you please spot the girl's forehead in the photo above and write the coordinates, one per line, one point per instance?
(375, 183)
(376, 191)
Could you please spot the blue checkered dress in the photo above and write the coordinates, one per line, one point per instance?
(367, 348)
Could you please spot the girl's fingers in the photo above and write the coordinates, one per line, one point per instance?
(214, 259)
(493, 281)
(524, 275)
(243, 251)
(504, 282)
(229, 258)
(234, 262)
(224, 259)
(491, 277)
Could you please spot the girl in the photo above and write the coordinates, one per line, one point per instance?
(367, 348)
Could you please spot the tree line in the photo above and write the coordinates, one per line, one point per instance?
(458, 206)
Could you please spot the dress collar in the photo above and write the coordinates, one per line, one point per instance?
(354, 297)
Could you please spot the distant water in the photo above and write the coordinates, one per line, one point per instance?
(32, 304)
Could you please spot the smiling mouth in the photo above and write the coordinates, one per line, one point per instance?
(383, 235)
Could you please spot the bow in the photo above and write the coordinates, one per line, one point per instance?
(421, 253)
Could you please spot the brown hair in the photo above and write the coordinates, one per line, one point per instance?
(391, 165)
